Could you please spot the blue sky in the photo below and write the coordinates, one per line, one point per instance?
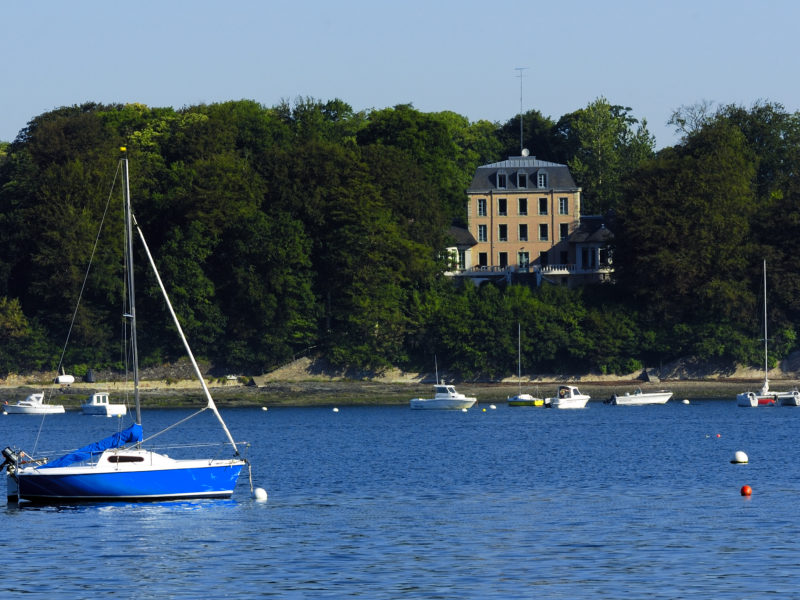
(437, 55)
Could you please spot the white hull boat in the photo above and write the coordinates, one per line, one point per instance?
(568, 396)
(445, 397)
(98, 404)
(33, 405)
(766, 397)
(640, 398)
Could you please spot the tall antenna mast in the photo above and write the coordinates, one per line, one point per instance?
(520, 69)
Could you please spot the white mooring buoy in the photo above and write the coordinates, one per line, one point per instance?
(685, 401)
(260, 494)
(335, 409)
(739, 458)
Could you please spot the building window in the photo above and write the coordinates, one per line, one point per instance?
(503, 259)
(502, 233)
(523, 259)
(541, 180)
(481, 207)
(563, 206)
(462, 260)
(501, 180)
(543, 259)
(522, 206)
(563, 231)
(543, 233)
(482, 259)
(502, 207)
(522, 180)
(482, 237)
(542, 206)
(523, 233)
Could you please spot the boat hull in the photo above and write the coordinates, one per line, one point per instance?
(641, 399)
(525, 400)
(569, 403)
(188, 479)
(753, 400)
(442, 403)
(108, 410)
(46, 409)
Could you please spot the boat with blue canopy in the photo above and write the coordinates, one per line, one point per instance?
(120, 467)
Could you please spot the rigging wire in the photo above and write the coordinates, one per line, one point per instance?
(80, 296)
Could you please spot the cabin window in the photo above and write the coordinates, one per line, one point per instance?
(481, 207)
(125, 459)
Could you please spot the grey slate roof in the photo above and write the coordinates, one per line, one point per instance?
(558, 175)
(462, 236)
(592, 229)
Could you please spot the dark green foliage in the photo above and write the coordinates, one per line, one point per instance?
(313, 228)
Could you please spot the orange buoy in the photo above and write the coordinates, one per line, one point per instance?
(746, 490)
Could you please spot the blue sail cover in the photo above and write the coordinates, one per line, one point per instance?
(126, 436)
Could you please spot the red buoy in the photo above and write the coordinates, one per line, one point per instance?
(746, 490)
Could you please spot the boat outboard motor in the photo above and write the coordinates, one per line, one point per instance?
(11, 460)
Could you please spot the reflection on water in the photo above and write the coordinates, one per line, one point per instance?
(384, 502)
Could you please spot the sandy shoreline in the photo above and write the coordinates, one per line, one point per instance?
(342, 392)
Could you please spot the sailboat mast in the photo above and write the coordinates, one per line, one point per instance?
(766, 366)
(519, 357)
(131, 308)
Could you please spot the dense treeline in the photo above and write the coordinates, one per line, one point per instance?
(313, 228)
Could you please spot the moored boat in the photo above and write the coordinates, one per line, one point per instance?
(34, 404)
(98, 404)
(640, 398)
(445, 397)
(766, 397)
(119, 467)
(525, 400)
(522, 399)
(567, 396)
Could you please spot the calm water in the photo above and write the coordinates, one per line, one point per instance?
(385, 502)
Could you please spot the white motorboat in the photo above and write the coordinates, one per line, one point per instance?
(640, 398)
(522, 399)
(98, 404)
(444, 397)
(764, 396)
(33, 405)
(568, 396)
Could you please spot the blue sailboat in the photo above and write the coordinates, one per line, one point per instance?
(119, 467)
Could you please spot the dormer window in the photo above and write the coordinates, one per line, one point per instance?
(522, 180)
(501, 180)
(541, 180)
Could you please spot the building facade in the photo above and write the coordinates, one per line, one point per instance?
(522, 211)
(525, 217)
